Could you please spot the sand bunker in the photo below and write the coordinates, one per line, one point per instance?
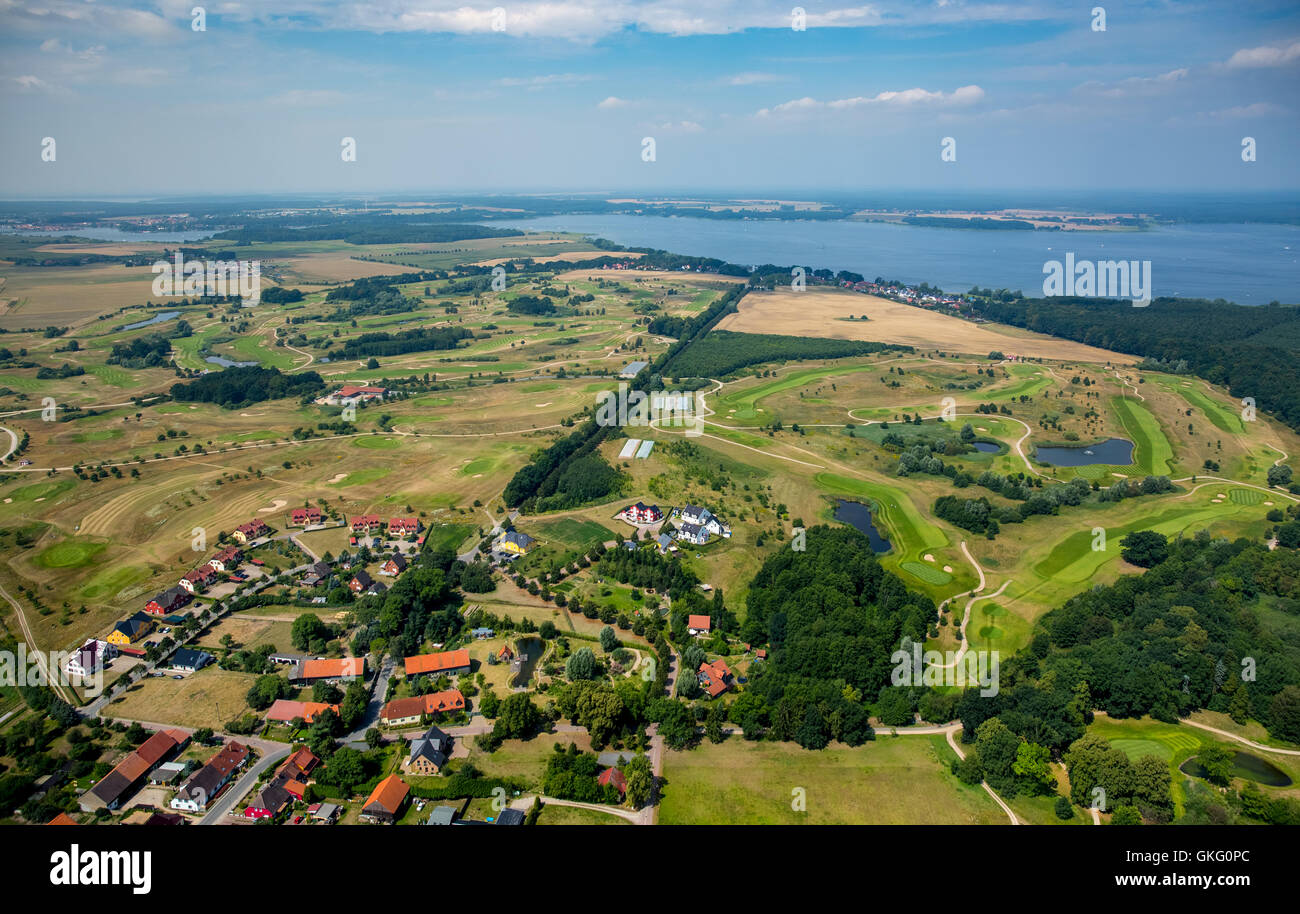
(337, 478)
(948, 568)
(274, 506)
(928, 557)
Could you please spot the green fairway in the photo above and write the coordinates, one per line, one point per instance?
(927, 573)
(1153, 454)
(361, 477)
(574, 533)
(377, 443)
(908, 531)
(69, 554)
(745, 403)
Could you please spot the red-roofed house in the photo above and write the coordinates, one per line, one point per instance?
(403, 526)
(698, 625)
(284, 710)
(615, 777)
(386, 801)
(367, 523)
(305, 517)
(227, 559)
(451, 663)
(250, 531)
(713, 677)
(341, 668)
(405, 712)
(199, 579)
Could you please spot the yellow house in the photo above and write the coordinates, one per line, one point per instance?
(129, 630)
(515, 542)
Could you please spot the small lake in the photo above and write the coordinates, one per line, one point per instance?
(228, 363)
(985, 447)
(858, 516)
(530, 651)
(159, 318)
(1113, 451)
(1244, 765)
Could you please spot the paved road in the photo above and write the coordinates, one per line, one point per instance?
(379, 689)
(216, 813)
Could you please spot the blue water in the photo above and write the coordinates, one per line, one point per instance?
(1113, 452)
(858, 516)
(156, 319)
(227, 363)
(985, 447)
(1248, 263)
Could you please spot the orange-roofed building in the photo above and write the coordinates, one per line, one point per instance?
(284, 710)
(403, 712)
(699, 625)
(62, 819)
(340, 668)
(450, 663)
(713, 677)
(386, 801)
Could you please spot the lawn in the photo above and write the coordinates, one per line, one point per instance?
(892, 780)
(208, 698)
(1153, 454)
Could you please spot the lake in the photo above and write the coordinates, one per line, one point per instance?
(858, 516)
(1249, 263)
(529, 650)
(1244, 765)
(1113, 451)
(156, 319)
(227, 363)
(985, 447)
(114, 234)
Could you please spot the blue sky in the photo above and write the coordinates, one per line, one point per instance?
(562, 96)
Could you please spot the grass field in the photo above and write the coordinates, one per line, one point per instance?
(890, 781)
(208, 698)
(1152, 454)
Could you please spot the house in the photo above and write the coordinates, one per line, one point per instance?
(515, 543)
(285, 710)
(128, 631)
(386, 801)
(713, 677)
(376, 588)
(199, 579)
(189, 661)
(406, 712)
(317, 670)
(632, 369)
(428, 753)
(509, 816)
(168, 772)
(403, 526)
(441, 815)
(227, 559)
(245, 533)
(693, 533)
(505, 653)
(450, 663)
(324, 812)
(615, 777)
(167, 602)
(270, 801)
(367, 523)
(353, 395)
(299, 765)
(394, 566)
(481, 633)
(130, 773)
(304, 517)
(698, 625)
(165, 818)
(204, 785)
(90, 658)
(704, 518)
(62, 819)
(665, 542)
(315, 574)
(360, 581)
(641, 514)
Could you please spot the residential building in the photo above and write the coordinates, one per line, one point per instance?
(360, 581)
(713, 677)
(408, 712)
(403, 526)
(385, 803)
(204, 785)
(90, 658)
(698, 624)
(693, 533)
(367, 523)
(167, 602)
(316, 573)
(285, 710)
(305, 517)
(428, 753)
(615, 777)
(515, 543)
(450, 663)
(189, 660)
(199, 579)
(246, 533)
(641, 514)
(128, 774)
(328, 670)
(394, 566)
(227, 559)
(128, 631)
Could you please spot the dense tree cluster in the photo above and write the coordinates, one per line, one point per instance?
(237, 387)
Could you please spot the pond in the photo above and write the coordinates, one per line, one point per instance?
(227, 363)
(858, 516)
(1112, 451)
(156, 319)
(528, 652)
(1244, 765)
(985, 447)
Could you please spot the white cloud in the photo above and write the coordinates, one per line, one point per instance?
(1266, 56)
(546, 81)
(613, 102)
(751, 79)
(906, 98)
(1137, 85)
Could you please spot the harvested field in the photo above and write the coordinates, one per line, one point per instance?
(817, 312)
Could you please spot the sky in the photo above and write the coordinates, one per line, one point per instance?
(561, 95)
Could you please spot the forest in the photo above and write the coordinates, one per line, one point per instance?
(238, 387)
